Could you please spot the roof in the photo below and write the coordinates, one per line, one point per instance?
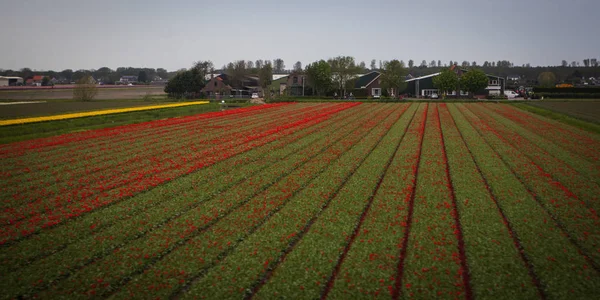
(11, 77)
(278, 76)
(38, 77)
(423, 77)
(364, 81)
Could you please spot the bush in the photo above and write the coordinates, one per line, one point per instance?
(85, 89)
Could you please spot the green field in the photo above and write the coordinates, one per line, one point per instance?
(305, 201)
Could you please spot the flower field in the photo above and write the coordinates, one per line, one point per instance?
(95, 113)
(305, 201)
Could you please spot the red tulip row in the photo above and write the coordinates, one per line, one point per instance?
(105, 143)
(558, 264)
(574, 173)
(497, 267)
(171, 198)
(576, 141)
(85, 154)
(369, 267)
(574, 215)
(313, 260)
(246, 266)
(105, 193)
(213, 226)
(48, 144)
(64, 179)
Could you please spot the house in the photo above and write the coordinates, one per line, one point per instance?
(10, 80)
(296, 84)
(423, 86)
(224, 85)
(278, 84)
(36, 80)
(128, 79)
(369, 85)
(218, 85)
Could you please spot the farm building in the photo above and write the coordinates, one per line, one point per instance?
(368, 85)
(128, 79)
(423, 86)
(296, 84)
(223, 85)
(10, 80)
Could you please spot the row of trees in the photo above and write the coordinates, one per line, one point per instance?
(189, 83)
(471, 82)
(104, 74)
(589, 67)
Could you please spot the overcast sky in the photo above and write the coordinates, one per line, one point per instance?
(85, 34)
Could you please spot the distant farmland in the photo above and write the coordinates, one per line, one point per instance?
(305, 201)
(104, 93)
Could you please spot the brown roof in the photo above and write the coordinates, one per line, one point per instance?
(38, 77)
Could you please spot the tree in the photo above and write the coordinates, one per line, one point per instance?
(319, 76)
(392, 77)
(486, 64)
(143, 77)
(362, 66)
(586, 62)
(298, 66)
(278, 65)
(411, 64)
(46, 81)
(85, 89)
(565, 63)
(189, 83)
(265, 77)
(547, 79)
(249, 65)
(259, 64)
(473, 81)
(451, 64)
(446, 81)
(439, 64)
(162, 73)
(423, 64)
(26, 73)
(474, 64)
(465, 64)
(343, 69)
(432, 64)
(594, 62)
(373, 64)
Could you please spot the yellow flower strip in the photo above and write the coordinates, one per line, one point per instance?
(95, 113)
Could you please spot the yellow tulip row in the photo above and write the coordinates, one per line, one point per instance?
(95, 113)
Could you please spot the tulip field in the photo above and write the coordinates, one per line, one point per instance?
(307, 200)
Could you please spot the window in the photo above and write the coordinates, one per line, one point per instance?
(463, 93)
(215, 83)
(376, 92)
(428, 92)
(295, 80)
(493, 82)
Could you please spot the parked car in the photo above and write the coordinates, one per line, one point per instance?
(510, 94)
(254, 95)
(434, 96)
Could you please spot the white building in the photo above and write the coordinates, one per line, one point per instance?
(10, 80)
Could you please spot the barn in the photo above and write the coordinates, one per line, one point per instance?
(10, 80)
(423, 86)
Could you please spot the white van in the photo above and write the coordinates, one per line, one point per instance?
(510, 94)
